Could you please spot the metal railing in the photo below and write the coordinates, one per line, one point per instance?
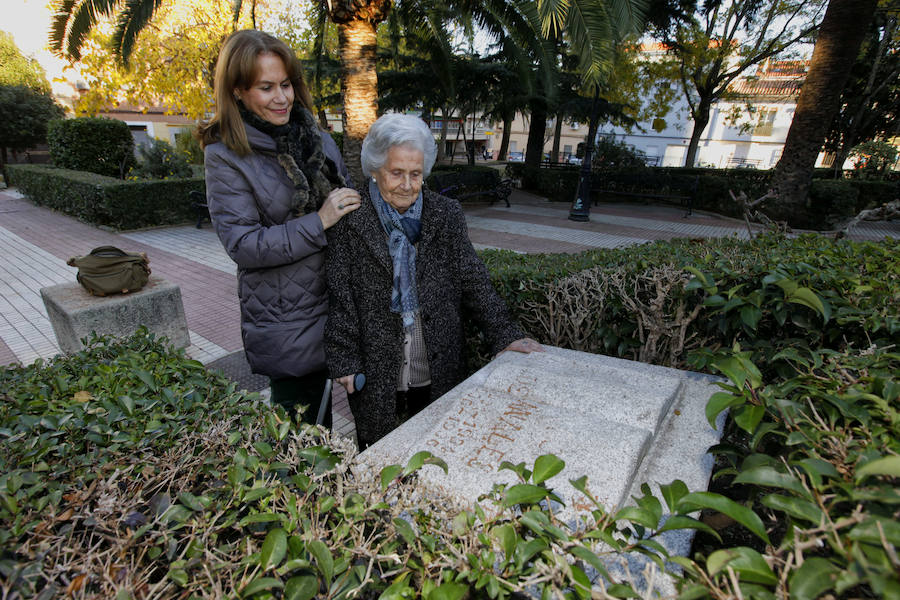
(453, 128)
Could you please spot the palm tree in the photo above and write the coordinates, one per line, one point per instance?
(461, 82)
(356, 21)
(841, 33)
(593, 30)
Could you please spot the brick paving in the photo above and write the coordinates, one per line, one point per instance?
(35, 242)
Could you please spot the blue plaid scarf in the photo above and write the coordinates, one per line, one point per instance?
(403, 231)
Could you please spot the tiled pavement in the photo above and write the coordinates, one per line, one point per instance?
(35, 243)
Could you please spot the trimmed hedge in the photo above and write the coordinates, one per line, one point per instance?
(835, 201)
(107, 201)
(99, 145)
(596, 300)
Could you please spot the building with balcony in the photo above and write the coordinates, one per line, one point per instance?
(747, 129)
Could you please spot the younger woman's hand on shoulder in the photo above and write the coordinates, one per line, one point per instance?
(339, 202)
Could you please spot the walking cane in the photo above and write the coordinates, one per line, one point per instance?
(358, 382)
(325, 404)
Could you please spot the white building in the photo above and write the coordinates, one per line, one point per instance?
(748, 129)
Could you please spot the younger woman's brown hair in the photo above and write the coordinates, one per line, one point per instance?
(238, 67)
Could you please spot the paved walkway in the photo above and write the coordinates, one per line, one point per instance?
(36, 242)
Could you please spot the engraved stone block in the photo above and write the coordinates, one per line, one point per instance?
(620, 423)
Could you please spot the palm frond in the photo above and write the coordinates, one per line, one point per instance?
(516, 26)
(554, 15)
(595, 28)
(590, 31)
(394, 34)
(135, 15)
(73, 21)
(543, 48)
(59, 25)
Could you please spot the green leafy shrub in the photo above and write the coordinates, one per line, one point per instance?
(460, 167)
(159, 160)
(816, 453)
(136, 471)
(873, 157)
(188, 144)
(608, 153)
(637, 302)
(558, 184)
(432, 183)
(97, 145)
(834, 199)
(106, 201)
(338, 137)
(873, 193)
(804, 331)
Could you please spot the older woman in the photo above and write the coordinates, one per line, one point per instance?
(399, 271)
(275, 182)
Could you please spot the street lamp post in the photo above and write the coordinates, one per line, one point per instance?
(581, 206)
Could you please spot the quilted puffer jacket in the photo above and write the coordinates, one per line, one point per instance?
(280, 259)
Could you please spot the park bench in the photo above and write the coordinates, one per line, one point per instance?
(682, 191)
(472, 184)
(198, 203)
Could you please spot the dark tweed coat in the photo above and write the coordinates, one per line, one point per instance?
(362, 335)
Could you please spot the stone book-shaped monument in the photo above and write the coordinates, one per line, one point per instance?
(620, 423)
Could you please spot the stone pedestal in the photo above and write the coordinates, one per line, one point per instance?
(74, 313)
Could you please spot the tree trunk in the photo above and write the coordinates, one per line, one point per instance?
(557, 133)
(472, 152)
(534, 149)
(456, 141)
(442, 145)
(840, 35)
(468, 145)
(359, 85)
(701, 120)
(504, 139)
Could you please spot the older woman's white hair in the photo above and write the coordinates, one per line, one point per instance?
(396, 130)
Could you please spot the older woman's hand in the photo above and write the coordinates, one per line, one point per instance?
(339, 202)
(525, 345)
(347, 382)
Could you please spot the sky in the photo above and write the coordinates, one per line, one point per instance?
(29, 21)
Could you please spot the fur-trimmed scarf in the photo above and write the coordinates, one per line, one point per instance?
(299, 151)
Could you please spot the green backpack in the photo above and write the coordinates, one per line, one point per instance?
(109, 270)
